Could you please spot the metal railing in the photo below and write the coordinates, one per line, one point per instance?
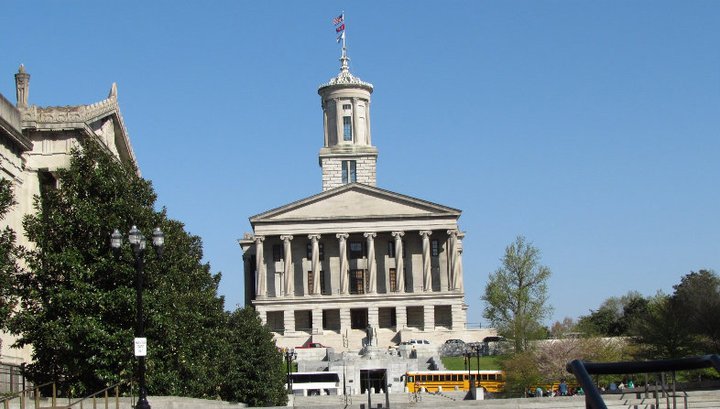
(105, 398)
(29, 393)
(593, 399)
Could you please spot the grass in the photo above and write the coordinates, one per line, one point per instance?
(457, 363)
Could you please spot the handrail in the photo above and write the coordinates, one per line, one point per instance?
(21, 394)
(582, 371)
(115, 387)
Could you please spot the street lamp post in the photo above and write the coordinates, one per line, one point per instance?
(137, 242)
(290, 356)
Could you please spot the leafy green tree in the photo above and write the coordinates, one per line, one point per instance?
(697, 297)
(663, 331)
(614, 316)
(10, 252)
(516, 294)
(253, 366)
(521, 373)
(78, 300)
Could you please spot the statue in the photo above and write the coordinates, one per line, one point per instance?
(369, 332)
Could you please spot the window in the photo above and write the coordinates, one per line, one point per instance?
(347, 106)
(347, 128)
(357, 281)
(392, 273)
(321, 250)
(277, 252)
(434, 248)
(348, 171)
(357, 249)
(391, 248)
(322, 284)
(310, 282)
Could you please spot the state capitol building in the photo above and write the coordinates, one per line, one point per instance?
(356, 258)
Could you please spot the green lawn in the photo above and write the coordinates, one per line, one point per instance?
(457, 363)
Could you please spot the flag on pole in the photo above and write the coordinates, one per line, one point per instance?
(340, 29)
(339, 19)
(341, 37)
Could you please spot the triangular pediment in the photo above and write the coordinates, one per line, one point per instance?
(355, 201)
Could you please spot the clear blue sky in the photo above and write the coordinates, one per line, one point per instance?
(592, 128)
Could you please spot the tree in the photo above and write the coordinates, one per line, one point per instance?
(253, 366)
(614, 316)
(78, 300)
(516, 294)
(10, 252)
(663, 332)
(697, 297)
(522, 373)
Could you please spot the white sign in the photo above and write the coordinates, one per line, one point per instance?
(140, 346)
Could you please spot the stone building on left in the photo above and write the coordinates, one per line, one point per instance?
(35, 143)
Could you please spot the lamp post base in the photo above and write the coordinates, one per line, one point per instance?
(142, 403)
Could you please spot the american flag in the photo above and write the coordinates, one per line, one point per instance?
(339, 19)
(340, 28)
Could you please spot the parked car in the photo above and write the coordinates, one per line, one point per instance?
(312, 345)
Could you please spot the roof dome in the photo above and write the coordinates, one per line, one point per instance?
(345, 78)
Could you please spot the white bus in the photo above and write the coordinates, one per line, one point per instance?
(315, 383)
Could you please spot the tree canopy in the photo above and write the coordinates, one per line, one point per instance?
(516, 294)
(10, 252)
(78, 298)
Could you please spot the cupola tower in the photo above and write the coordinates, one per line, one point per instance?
(347, 154)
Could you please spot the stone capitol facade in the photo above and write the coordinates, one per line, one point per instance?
(354, 257)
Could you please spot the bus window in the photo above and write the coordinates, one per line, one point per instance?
(410, 379)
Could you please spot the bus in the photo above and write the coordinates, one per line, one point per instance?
(315, 383)
(492, 381)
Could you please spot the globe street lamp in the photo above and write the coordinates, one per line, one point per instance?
(137, 243)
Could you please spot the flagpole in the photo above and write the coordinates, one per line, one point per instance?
(344, 49)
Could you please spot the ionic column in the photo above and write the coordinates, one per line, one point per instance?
(288, 271)
(367, 122)
(458, 277)
(315, 263)
(339, 121)
(453, 239)
(427, 266)
(399, 267)
(354, 120)
(325, 124)
(342, 243)
(372, 265)
(260, 271)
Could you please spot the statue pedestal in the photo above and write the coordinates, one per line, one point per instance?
(371, 352)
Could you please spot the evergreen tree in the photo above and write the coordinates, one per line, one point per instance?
(78, 300)
(253, 367)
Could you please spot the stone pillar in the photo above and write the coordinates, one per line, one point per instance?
(399, 267)
(22, 87)
(344, 278)
(317, 327)
(325, 124)
(458, 317)
(453, 240)
(427, 265)
(374, 317)
(261, 272)
(367, 122)
(339, 121)
(315, 263)
(355, 133)
(429, 318)
(263, 316)
(289, 321)
(289, 267)
(400, 317)
(372, 264)
(458, 283)
(344, 320)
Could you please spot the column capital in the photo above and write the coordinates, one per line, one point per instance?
(397, 234)
(286, 237)
(342, 236)
(425, 233)
(453, 233)
(258, 239)
(370, 235)
(314, 237)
